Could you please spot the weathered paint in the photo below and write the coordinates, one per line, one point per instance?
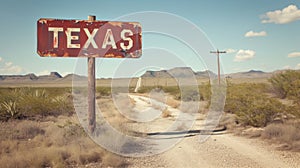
(82, 38)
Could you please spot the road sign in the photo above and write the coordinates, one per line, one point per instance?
(83, 38)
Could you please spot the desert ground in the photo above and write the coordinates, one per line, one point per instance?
(40, 128)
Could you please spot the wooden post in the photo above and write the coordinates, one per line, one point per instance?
(91, 89)
(219, 76)
(218, 59)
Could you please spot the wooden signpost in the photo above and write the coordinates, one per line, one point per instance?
(89, 38)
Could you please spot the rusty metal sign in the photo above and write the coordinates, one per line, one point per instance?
(82, 38)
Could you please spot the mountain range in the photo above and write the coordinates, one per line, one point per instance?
(53, 76)
(187, 72)
(179, 72)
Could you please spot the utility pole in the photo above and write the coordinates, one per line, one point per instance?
(218, 57)
(91, 89)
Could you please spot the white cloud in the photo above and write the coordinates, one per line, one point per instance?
(255, 34)
(11, 70)
(7, 68)
(287, 67)
(230, 51)
(286, 15)
(0, 59)
(294, 54)
(298, 66)
(8, 64)
(244, 55)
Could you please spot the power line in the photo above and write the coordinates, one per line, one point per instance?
(218, 57)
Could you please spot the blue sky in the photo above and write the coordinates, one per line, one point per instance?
(255, 36)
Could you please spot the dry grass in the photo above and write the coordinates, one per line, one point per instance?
(192, 107)
(287, 134)
(53, 143)
(112, 112)
(166, 113)
(229, 120)
(172, 102)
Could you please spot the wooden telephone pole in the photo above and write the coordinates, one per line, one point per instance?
(218, 57)
(91, 89)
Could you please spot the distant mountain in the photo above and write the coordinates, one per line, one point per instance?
(205, 74)
(71, 77)
(178, 72)
(52, 76)
(182, 72)
(187, 72)
(30, 77)
(250, 74)
(156, 74)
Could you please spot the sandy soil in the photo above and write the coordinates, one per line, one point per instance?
(220, 150)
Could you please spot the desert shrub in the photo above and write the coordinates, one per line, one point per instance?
(80, 91)
(292, 111)
(286, 84)
(28, 131)
(259, 112)
(189, 94)
(184, 93)
(21, 103)
(72, 130)
(40, 103)
(59, 143)
(172, 90)
(205, 91)
(20, 130)
(9, 109)
(217, 98)
(287, 133)
(103, 91)
(147, 89)
(251, 105)
(189, 107)
(166, 113)
(172, 102)
(90, 158)
(36, 103)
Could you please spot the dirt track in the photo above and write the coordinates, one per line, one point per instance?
(220, 150)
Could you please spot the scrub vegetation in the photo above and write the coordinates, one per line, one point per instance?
(39, 128)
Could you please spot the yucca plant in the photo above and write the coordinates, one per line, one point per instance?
(61, 104)
(36, 102)
(10, 108)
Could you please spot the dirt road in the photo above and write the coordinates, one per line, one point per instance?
(220, 150)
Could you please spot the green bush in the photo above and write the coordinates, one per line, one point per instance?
(286, 84)
(21, 103)
(188, 93)
(9, 109)
(104, 91)
(146, 89)
(205, 91)
(184, 93)
(251, 104)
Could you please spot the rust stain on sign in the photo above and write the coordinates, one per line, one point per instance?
(82, 38)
